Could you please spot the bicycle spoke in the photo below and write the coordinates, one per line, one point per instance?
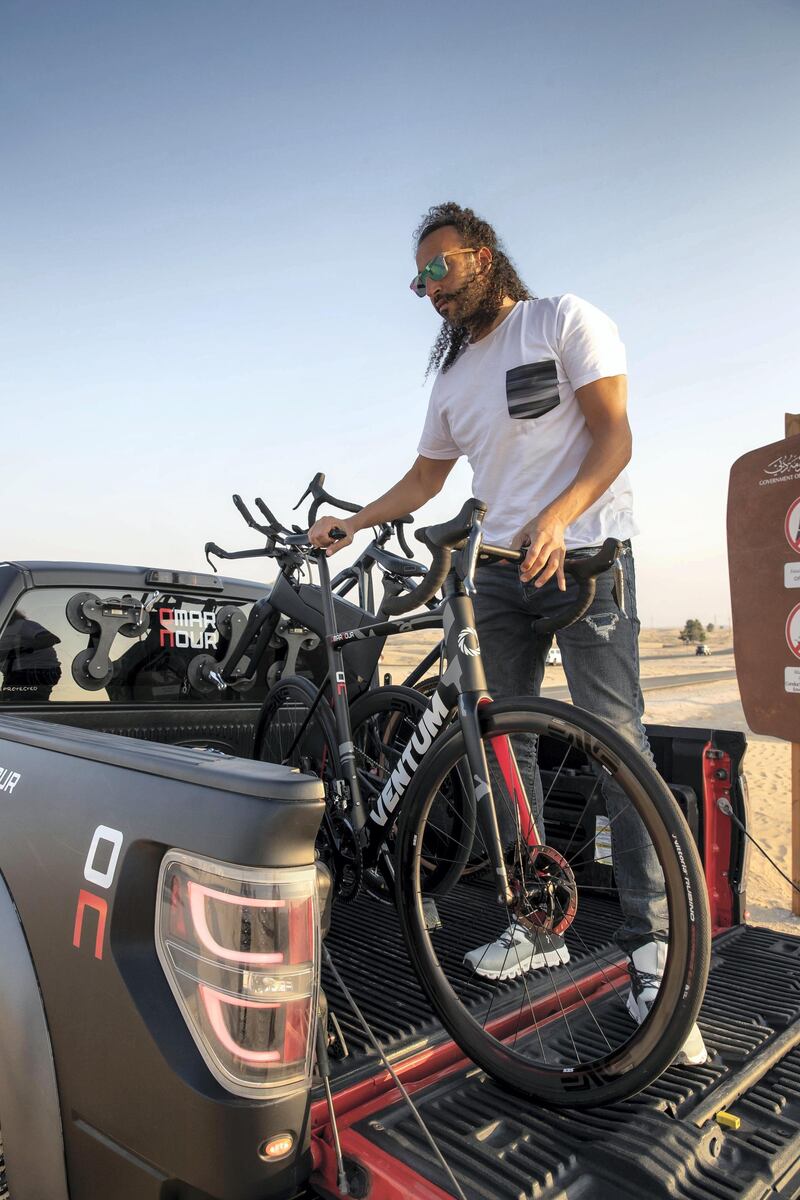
(609, 822)
(584, 810)
(557, 774)
(594, 959)
(537, 1030)
(557, 994)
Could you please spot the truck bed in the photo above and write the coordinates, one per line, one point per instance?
(663, 1143)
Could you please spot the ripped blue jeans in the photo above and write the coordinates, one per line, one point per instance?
(600, 655)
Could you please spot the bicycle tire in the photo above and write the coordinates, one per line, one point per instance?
(382, 721)
(314, 751)
(428, 685)
(285, 708)
(588, 1073)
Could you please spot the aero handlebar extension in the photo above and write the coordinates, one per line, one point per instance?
(316, 490)
(319, 495)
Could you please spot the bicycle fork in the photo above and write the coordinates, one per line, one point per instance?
(465, 672)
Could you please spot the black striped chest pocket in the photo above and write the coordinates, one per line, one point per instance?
(532, 390)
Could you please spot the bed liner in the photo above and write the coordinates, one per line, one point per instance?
(665, 1142)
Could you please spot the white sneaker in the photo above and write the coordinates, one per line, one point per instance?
(516, 951)
(646, 968)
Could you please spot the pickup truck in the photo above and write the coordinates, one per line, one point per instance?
(146, 859)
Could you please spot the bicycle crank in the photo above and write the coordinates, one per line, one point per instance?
(341, 851)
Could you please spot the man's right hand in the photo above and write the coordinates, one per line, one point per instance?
(319, 533)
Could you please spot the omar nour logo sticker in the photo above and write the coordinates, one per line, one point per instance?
(187, 628)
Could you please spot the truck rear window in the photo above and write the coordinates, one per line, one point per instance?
(40, 653)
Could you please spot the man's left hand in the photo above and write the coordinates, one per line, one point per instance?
(544, 536)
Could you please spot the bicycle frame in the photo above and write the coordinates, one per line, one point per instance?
(241, 659)
(361, 574)
(432, 658)
(461, 690)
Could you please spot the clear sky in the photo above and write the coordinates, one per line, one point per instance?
(206, 248)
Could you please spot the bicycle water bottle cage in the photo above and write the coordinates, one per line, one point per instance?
(102, 620)
(206, 674)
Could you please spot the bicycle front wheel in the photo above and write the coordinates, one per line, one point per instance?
(539, 990)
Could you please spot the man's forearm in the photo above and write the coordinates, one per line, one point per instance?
(606, 458)
(409, 494)
(604, 406)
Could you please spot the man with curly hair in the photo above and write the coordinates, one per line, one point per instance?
(534, 393)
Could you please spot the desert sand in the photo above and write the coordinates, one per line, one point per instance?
(715, 705)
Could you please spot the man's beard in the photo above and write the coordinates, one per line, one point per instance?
(473, 308)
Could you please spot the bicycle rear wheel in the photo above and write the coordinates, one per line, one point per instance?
(427, 686)
(551, 1018)
(296, 732)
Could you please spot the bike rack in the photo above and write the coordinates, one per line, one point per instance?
(205, 672)
(103, 620)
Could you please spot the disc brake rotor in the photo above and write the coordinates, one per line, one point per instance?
(545, 891)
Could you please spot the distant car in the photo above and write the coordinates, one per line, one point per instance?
(702, 649)
(553, 657)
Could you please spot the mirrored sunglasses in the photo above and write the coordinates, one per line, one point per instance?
(436, 269)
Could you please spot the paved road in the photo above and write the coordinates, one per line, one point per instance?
(712, 654)
(656, 682)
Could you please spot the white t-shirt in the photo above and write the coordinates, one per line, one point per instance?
(508, 403)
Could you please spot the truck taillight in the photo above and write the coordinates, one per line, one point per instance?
(240, 949)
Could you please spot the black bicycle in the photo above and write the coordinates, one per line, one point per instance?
(292, 616)
(509, 931)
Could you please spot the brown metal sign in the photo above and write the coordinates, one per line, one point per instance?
(764, 565)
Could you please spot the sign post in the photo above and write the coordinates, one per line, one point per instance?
(764, 565)
(793, 429)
